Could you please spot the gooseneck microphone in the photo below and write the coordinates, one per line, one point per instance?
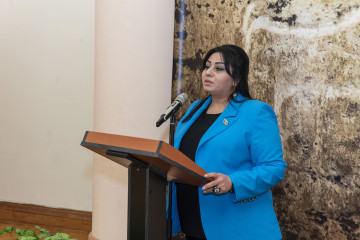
(173, 108)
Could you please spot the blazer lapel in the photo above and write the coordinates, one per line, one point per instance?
(223, 122)
(185, 126)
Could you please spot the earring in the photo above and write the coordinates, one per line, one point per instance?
(234, 94)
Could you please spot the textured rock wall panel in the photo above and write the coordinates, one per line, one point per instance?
(305, 62)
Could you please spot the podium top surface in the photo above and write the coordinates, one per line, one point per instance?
(162, 157)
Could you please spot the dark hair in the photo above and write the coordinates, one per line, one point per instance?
(236, 65)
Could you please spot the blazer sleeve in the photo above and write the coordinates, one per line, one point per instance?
(268, 166)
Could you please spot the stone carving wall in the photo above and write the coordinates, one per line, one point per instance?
(305, 62)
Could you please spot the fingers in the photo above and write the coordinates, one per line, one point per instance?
(218, 180)
(207, 188)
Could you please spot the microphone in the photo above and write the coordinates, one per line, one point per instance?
(173, 108)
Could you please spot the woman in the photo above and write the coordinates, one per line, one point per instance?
(236, 141)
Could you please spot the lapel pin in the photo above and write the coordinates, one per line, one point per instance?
(225, 122)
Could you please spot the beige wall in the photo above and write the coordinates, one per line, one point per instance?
(46, 102)
(48, 99)
(133, 69)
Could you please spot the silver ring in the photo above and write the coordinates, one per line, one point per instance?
(216, 189)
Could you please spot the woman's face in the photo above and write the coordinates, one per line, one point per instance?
(216, 81)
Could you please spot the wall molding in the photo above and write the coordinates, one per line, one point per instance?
(45, 216)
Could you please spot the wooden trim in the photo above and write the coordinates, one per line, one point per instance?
(45, 216)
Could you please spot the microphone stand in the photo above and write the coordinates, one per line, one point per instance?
(169, 220)
(172, 130)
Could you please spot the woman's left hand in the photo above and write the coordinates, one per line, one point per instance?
(219, 180)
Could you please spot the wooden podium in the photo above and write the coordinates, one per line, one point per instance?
(151, 164)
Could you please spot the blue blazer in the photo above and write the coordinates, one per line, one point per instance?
(243, 143)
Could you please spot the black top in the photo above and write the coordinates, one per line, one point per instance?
(187, 195)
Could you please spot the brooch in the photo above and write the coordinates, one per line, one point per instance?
(225, 122)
